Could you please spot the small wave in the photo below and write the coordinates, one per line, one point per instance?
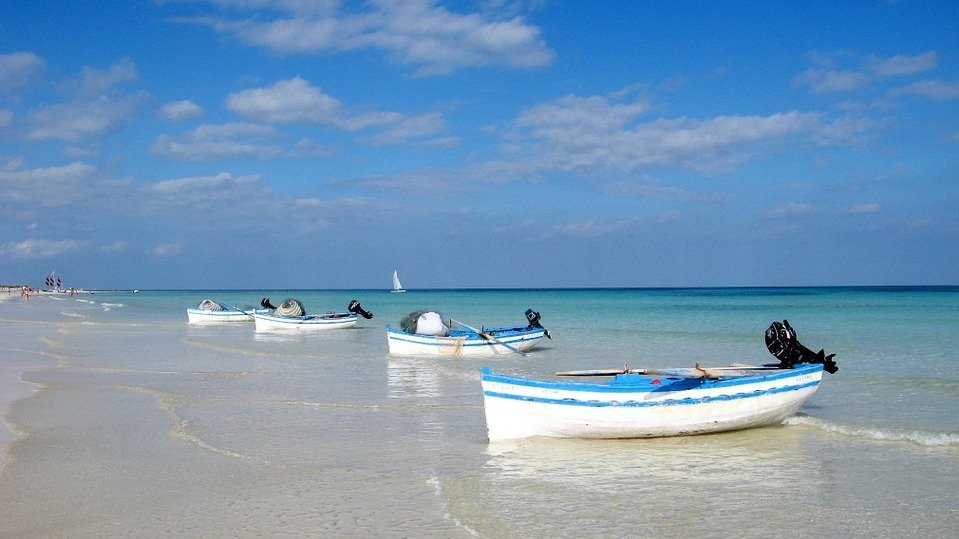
(75, 315)
(438, 489)
(112, 304)
(918, 437)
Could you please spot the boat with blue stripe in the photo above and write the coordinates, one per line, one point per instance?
(425, 333)
(291, 316)
(642, 403)
(210, 311)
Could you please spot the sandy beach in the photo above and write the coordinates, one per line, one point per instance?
(130, 422)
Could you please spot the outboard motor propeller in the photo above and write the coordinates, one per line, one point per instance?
(533, 318)
(265, 302)
(355, 307)
(782, 342)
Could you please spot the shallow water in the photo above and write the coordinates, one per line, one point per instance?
(145, 425)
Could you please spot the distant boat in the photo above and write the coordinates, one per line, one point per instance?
(291, 315)
(425, 333)
(209, 311)
(397, 287)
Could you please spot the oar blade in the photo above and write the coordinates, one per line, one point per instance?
(592, 372)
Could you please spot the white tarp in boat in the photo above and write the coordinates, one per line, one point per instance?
(431, 323)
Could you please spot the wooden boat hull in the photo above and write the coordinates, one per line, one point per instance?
(464, 343)
(316, 322)
(200, 316)
(642, 406)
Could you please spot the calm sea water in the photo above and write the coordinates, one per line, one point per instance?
(142, 425)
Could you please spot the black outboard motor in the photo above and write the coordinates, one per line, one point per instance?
(265, 303)
(533, 318)
(782, 342)
(355, 307)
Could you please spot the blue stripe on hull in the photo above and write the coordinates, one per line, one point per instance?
(648, 404)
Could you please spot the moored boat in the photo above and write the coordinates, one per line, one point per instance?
(640, 403)
(210, 311)
(291, 315)
(424, 333)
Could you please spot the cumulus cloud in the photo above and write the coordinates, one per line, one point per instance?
(412, 32)
(36, 248)
(286, 102)
(167, 249)
(221, 141)
(791, 209)
(595, 133)
(181, 110)
(865, 207)
(79, 120)
(826, 78)
(19, 69)
(296, 101)
(48, 186)
(98, 107)
(931, 89)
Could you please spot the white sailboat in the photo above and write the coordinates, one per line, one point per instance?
(397, 287)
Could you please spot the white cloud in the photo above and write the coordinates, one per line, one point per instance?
(97, 107)
(181, 110)
(19, 69)
(114, 247)
(6, 118)
(865, 207)
(287, 102)
(408, 128)
(36, 248)
(791, 209)
(79, 120)
(221, 141)
(167, 249)
(825, 80)
(932, 89)
(94, 82)
(596, 133)
(51, 186)
(412, 32)
(296, 101)
(901, 65)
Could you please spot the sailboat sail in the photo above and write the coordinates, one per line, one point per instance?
(397, 287)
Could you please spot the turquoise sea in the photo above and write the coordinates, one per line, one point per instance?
(123, 420)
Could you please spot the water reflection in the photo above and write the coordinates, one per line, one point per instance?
(774, 457)
(413, 378)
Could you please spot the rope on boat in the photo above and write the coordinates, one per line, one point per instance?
(209, 305)
(290, 308)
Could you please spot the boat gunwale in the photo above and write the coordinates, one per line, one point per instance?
(644, 383)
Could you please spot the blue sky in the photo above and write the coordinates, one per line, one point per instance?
(322, 144)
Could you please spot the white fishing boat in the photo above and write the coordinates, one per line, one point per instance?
(425, 333)
(397, 287)
(210, 311)
(290, 316)
(640, 403)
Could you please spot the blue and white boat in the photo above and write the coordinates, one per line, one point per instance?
(209, 311)
(641, 403)
(290, 316)
(459, 339)
(646, 403)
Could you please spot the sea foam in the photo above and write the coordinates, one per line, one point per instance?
(918, 437)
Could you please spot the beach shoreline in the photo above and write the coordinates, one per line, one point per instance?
(13, 387)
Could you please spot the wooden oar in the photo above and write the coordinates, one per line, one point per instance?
(694, 372)
(235, 308)
(489, 337)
